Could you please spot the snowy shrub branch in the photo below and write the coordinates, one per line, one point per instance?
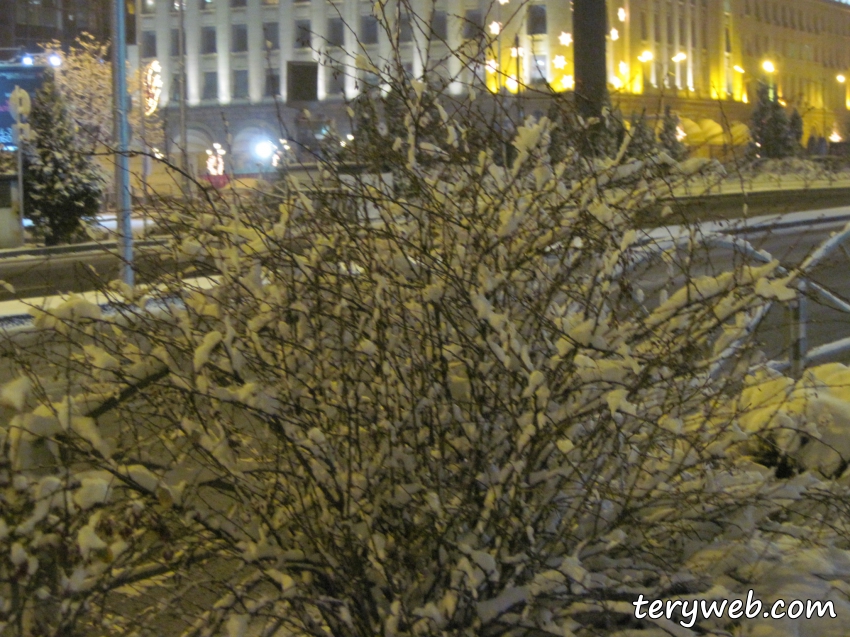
(449, 394)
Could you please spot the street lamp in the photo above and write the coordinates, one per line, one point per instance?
(769, 68)
(680, 57)
(646, 57)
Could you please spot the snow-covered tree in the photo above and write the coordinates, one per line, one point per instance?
(85, 81)
(642, 141)
(473, 405)
(770, 129)
(62, 185)
(795, 129)
(669, 135)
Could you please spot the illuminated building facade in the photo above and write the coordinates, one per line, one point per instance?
(244, 58)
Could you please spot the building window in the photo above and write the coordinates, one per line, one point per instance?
(240, 84)
(208, 40)
(236, 4)
(148, 44)
(439, 27)
(206, 5)
(537, 72)
(210, 89)
(537, 19)
(175, 42)
(473, 25)
(644, 35)
(368, 79)
(405, 29)
(336, 32)
(239, 38)
(336, 80)
(271, 36)
(272, 87)
(148, 6)
(302, 34)
(271, 3)
(176, 87)
(368, 29)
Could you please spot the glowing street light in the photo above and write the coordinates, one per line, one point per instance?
(492, 66)
(264, 149)
(840, 78)
(495, 28)
(54, 60)
(566, 39)
(621, 14)
(615, 35)
(559, 62)
(680, 57)
(738, 69)
(27, 60)
(646, 56)
(768, 66)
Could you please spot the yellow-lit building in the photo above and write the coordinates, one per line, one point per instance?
(704, 58)
(257, 63)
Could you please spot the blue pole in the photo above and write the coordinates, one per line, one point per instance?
(122, 166)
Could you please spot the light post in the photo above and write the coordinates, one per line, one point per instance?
(744, 92)
(680, 57)
(122, 130)
(841, 79)
(769, 68)
(645, 58)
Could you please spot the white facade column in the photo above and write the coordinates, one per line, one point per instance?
(689, 39)
(385, 53)
(677, 44)
(286, 22)
(163, 48)
(192, 43)
(655, 36)
(454, 38)
(666, 46)
(256, 51)
(319, 29)
(351, 17)
(422, 11)
(222, 43)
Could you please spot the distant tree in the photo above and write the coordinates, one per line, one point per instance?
(771, 130)
(669, 136)
(62, 183)
(795, 128)
(86, 84)
(643, 141)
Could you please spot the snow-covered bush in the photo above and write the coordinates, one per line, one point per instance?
(446, 395)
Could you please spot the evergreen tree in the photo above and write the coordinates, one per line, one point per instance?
(795, 128)
(62, 184)
(643, 142)
(669, 137)
(771, 130)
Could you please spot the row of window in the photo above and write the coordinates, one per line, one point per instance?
(671, 29)
(829, 57)
(473, 28)
(238, 85)
(149, 6)
(784, 16)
